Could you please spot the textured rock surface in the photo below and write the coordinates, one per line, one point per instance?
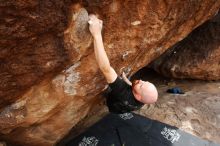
(49, 77)
(196, 57)
(31, 44)
(2, 144)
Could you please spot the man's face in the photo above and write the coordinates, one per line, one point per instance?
(140, 86)
(145, 91)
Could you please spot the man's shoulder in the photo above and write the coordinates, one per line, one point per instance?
(118, 82)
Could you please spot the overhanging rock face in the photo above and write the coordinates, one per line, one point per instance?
(49, 76)
(196, 57)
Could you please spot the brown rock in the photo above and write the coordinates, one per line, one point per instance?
(49, 76)
(196, 57)
(31, 45)
(2, 144)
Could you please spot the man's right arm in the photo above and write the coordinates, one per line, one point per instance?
(100, 54)
(103, 61)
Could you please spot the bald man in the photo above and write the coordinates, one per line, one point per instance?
(124, 95)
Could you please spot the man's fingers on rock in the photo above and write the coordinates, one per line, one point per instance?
(92, 16)
(90, 21)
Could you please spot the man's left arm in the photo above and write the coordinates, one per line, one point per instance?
(124, 77)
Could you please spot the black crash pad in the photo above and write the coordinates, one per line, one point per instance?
(130, 129)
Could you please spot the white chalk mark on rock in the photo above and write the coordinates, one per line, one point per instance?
(136, 23)
(71, 80)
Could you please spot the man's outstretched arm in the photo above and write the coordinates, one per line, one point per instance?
(95, 28)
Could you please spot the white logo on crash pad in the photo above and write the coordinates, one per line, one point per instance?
(170, 134)
(126, 116)
(89, 141)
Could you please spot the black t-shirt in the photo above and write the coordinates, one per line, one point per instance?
(120, 97)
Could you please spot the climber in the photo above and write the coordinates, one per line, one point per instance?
(124, 96)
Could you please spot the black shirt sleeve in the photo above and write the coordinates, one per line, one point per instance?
(118, 85)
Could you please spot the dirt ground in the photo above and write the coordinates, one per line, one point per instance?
(196, 112)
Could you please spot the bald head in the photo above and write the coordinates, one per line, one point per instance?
(144, 91)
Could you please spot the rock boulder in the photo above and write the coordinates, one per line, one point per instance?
(49, 79)
(195, 57)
